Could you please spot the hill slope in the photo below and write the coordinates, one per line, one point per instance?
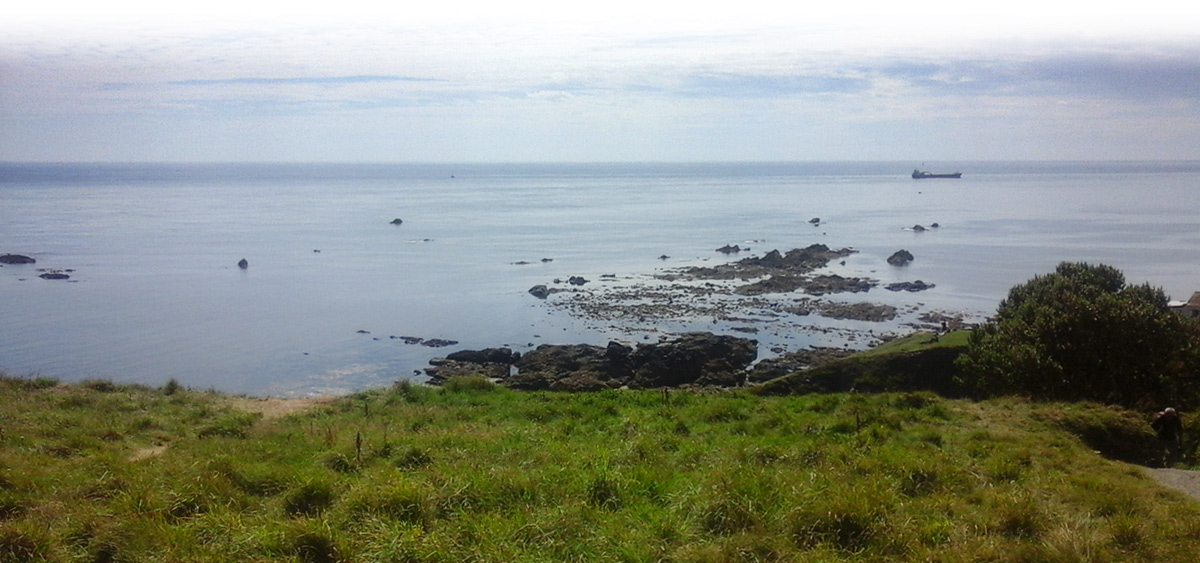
(471, 472)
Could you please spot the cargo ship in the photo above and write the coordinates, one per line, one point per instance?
(919, 174)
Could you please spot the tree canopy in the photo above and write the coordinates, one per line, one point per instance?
(1082, 333)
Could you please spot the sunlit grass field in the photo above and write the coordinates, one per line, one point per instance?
(472, 472)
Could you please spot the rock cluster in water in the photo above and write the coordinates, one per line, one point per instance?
(693, 359)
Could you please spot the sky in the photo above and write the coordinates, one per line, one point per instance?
(618, 81)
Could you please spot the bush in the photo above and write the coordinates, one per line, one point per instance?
(463, 384)
(1081, 333)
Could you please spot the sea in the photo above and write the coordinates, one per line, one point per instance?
(335, 298)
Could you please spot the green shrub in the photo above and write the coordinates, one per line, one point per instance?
(1081, 333)
(228, 426)
(171, 387)
(468, 384)
(101, 385)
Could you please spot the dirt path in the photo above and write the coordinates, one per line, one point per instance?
(278, 408)
(1182, 480)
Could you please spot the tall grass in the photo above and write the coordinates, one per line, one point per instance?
(473, 472)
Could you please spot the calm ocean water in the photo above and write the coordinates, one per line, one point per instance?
(156, 292)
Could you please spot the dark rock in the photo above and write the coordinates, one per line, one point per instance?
(549, 363)
(442, 370)
(730, 249)
(664, 257)
(773, 284)
(918, 228)
(486, 356)
(822, 285)
(397, 221)
(54, 275)
(16, 259)
(912, 286)
(858, 311)
(934, 226)
(694, 359)
(408, 339)
(577, 280)
(438, 343)
(539, 291)
(900, 258)
(243, 264)
(815, 220)
(547, 260)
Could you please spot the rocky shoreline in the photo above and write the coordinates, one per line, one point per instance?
(774, 291)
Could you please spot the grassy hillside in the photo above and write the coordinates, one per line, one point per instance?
(918, 362)
(470, 472)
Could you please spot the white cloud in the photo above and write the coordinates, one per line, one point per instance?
(548, 80)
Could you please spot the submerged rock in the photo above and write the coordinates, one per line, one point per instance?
(16, 259)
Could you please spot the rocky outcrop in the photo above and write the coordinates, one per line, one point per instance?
(698, 358)
(540, 291)
(701, 359)
(486, 356)
(900, 258)
(16, 259)
(584, 364)
(795, 262)
(912, 286)
(822, 285)
(441, 370)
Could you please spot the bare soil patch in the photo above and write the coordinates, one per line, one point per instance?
(1182, 480)
(275, 407)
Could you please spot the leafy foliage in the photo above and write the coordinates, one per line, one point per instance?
(1082, 333)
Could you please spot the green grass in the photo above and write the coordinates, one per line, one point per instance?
(474, 472)
(918, 341)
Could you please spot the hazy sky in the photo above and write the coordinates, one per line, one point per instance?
(599, 81)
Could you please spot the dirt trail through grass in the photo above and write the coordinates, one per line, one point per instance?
(275, 407)
(1182, 480)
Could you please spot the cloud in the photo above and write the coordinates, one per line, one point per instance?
(1117, 74)
(318, 80)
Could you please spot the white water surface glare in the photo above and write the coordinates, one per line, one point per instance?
(156, 293)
